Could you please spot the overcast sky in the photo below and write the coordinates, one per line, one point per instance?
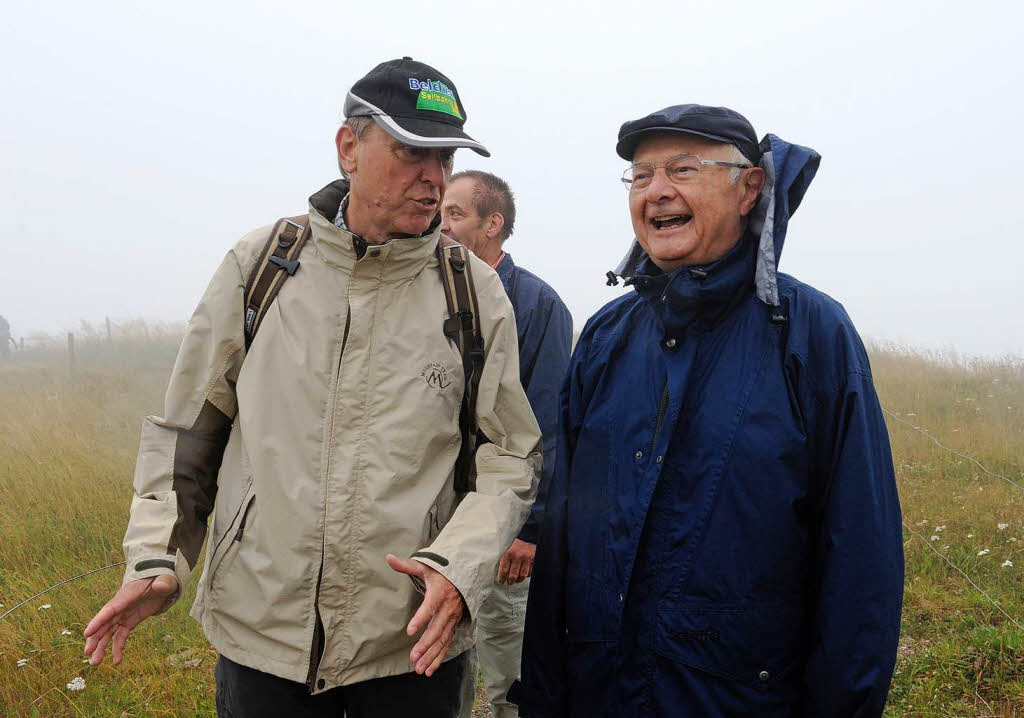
(141, 140)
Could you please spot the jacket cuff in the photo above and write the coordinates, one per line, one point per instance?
(159, 565)
(530, 531)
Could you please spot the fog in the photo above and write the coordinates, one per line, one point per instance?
(140, 141)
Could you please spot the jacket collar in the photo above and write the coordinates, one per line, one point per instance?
(698, 295)
(506, 267)
(399, 258)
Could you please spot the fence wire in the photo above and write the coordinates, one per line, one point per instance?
(938, 443)
(964, 574)
(927, 543)
(57, 585)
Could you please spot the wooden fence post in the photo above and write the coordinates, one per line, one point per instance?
(71, 354)
(110, 339)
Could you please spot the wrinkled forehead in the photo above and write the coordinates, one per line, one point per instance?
(659, 146)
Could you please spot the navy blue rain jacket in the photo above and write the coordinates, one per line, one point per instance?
(545, 340)
(723, 533)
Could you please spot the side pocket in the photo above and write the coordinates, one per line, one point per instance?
(232, 536)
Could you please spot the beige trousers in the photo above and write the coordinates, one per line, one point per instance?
(499, 648)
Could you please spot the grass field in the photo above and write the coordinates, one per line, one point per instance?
(67, 451)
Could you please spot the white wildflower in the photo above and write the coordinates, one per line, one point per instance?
(1002, 527)
(983, 552)
(969, 535)
(911, 414)
(1007, 563)
(44, 607)
(922, 522)
(77, 684)
(940, 528)
(1012, 539)
(935, 538)
(22, 662)
(65, 632)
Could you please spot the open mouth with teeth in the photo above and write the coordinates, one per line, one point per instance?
(670, 221)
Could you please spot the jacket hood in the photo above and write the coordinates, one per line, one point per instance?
(789, 170)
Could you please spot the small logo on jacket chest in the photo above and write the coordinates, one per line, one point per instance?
(436, 376)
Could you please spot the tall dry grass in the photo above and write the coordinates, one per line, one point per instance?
(67, 451)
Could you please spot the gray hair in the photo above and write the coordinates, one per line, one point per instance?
(360, 125)
(734, 155)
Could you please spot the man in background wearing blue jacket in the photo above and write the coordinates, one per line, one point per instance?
(479, 212)
(722, 534)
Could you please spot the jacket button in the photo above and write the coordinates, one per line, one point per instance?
(639, 455)
(658, 460)
(374, 252)
(622, 597)
(320, 683)
(670, 343)
(763, 676)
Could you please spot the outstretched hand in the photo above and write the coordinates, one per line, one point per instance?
(440, 613)
(133, 602)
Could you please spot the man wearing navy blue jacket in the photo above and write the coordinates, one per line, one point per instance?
(722, 534)
(479, 211)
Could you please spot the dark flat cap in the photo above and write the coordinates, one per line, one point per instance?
(715, 123)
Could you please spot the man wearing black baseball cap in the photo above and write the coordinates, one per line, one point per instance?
(332, 438)
(722, 533)
(414, 103)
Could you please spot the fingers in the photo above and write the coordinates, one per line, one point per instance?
(503, 567)
(120, 636)
(405, 565)
(518, 571)
(102, 618)
(97, 654)
(435, 656)
(433, 645)
(423, 614)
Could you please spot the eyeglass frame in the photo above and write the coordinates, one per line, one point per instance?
(654, 168)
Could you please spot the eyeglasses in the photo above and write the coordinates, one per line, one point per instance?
(680, 169)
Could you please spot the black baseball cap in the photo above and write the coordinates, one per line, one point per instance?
(715, 123)
(414, 103)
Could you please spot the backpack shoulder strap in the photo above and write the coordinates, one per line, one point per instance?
(278, 261)
(463, 327)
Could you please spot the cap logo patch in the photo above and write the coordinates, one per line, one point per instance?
(435, 96)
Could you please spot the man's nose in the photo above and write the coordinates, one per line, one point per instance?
(660, 188)
(433, 170)
(445, 227)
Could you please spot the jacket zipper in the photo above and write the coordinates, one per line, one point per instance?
(660, 421)
(318, 630)
(241, 525)
(246, 502)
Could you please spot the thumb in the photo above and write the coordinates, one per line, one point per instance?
(405, 565)
(164, 585)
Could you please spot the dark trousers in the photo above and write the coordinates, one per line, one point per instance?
(244, 692)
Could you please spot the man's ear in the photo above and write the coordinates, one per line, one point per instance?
(346, 142)
(495, 221)
(753, 181)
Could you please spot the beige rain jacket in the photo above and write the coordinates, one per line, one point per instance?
(329, 445)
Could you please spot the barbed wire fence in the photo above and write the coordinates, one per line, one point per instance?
(924, 432)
